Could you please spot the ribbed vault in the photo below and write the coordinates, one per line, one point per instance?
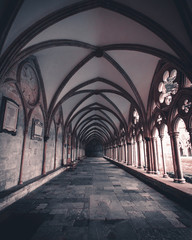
(97, 59)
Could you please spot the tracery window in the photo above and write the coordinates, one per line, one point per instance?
(168, 87)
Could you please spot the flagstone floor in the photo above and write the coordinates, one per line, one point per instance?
(96, 201)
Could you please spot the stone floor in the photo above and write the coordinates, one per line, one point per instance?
(96, 201)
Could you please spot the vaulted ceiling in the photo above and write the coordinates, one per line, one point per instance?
(97, 58)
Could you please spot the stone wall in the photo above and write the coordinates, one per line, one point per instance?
(59, 148)
(50, 153)
(65, 155)
(11, 146)
(33, 156)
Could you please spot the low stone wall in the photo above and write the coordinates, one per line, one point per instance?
(175, 194)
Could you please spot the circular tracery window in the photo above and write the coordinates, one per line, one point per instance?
(168, 87)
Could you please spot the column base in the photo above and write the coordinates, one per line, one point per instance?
(165, 175)
(156, 172)
(182, 180)
(139, 167)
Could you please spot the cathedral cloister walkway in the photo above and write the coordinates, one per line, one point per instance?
(96, 201)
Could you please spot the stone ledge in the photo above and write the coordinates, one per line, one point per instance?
(18, 194)
(180, 193)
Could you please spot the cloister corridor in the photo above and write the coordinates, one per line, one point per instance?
(95, 201)
(95, 119)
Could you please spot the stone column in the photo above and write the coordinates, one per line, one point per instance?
(62, 153)
(69, 150)
(118, 159)
(139, 154)
(155, 155)
(46, 138)
(55, 155)
(129, 157)
(148, 152)
(176, 157)
(190, 134)
(77, 150)
(157, 152)
(22, 156)
(144, 155)
(111, 152)
(113, 155)
(123, 152)
(134, 153)
(126, 153)
(65, 153)
(116, 154)
(163, 158)
(120, 153)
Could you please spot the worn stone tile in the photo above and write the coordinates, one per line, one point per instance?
(97, 201)
(41, 206)
(122, 230)
(49, 233)
(74, 233)
(105, 207)
(58, 211)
